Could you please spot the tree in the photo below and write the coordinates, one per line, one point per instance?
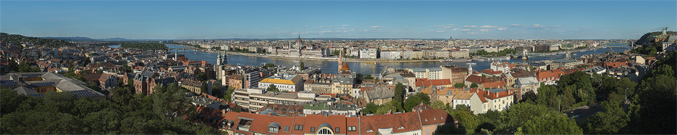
(201, 76)
(302, 66)
(416, 100)
(367, 77)
(473, 85)
(272, 88)
(551, 123)
(658, 100)
(370, 108)
(228, 94)
(611, 120)
(467, 120)
(459, 85)
(270, 65)
(386, 108)
(547, 95)
(439, 105)
(399, 97)
(204, 88)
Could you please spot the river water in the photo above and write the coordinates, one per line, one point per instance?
(363, 68)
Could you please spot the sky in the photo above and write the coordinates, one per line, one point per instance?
(337, 19)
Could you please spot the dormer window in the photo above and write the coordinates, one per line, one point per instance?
(401, 128)
(274, 127)
(370, 130)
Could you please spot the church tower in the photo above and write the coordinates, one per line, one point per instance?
(340, 60)
(218, 59)
(176, 55)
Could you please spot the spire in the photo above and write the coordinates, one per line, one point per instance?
(340, 61)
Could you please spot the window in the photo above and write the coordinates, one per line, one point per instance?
(298, 127)
(337, 130)
(286, 128)
(370, 130)
(273, 129)
(351, 128)
(312, 129)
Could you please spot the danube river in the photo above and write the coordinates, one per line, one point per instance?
(364, 68)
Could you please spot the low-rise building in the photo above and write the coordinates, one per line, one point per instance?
(255, 98)
(36, 84)
(289, 84)
(331, 109)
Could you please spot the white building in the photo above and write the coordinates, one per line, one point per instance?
(491, 99)
(391, 54)
(369, 53)
(290, 84)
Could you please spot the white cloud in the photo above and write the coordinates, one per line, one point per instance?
(537, 26)
(322, 27)
(276, 28)
(345, 25)
(470, 26)
(502, 28)
(515, 25)
(438, 31)
(448, 26)
(455, 29)
(472, 33)
(484, 29)
(375, 27)
(465, 29)
(488, 26)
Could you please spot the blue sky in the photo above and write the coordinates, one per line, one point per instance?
(338, 19)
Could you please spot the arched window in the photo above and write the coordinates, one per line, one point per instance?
(324, 131)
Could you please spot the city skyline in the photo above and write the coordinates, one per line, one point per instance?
(337, 19)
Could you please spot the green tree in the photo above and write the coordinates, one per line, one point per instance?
(547, 95)
(416, 100)
(459, 85)
(201, 76)
(385, 108)
(473, 85)
(611, 120)
(551, 123)
(437, 104)
(204, 88)
(467, 120)
(301, 65)
(228, 94)
(658, 100)
(370, 108)
(272, 88)
(398, 98)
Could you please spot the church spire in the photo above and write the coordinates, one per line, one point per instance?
(340, 60)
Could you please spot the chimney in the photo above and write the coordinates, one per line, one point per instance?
(223, 111)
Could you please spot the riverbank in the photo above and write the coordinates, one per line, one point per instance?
(334, 59)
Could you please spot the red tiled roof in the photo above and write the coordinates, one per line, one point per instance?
(497, 84)
(408, 121)
(477, 79)
(548, 75)
(430, 116)
(490, 71)
(436, 82)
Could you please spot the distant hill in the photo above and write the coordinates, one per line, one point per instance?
(648, 37)
(86, 39)
(70, 38)
(15, 40)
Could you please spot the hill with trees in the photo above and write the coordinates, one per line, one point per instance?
(15, 40)
(143, 45)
